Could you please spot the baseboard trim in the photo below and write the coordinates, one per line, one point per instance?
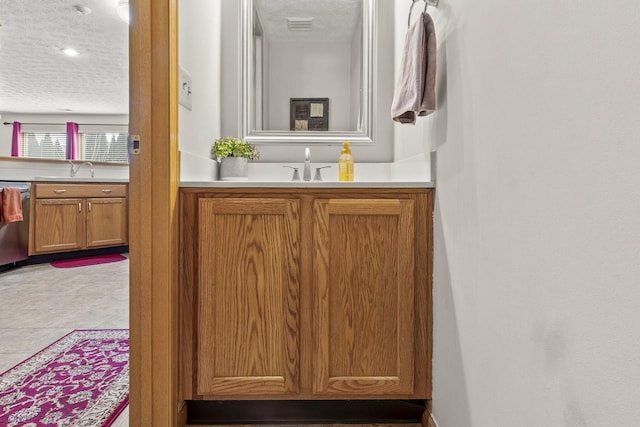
(182, 414)
(427, 417)
(428, 421)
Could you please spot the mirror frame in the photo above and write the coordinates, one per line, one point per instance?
(363, 137)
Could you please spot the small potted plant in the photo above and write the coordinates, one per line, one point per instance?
(233, 155)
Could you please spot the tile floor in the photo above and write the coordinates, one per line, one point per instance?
(40, 303)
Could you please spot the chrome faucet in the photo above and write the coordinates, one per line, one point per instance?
(75, 168)
(306, 172)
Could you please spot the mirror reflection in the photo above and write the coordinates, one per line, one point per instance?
(308, 69)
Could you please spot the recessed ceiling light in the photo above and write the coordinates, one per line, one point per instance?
(82, 10)
(69, 51)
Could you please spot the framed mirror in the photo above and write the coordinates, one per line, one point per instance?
(307, 71)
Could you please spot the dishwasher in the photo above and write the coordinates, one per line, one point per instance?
(14, 236)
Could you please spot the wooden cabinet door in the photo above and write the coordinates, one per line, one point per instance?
(247, 309)
(59, 225)
(106, 222)
(364, 296)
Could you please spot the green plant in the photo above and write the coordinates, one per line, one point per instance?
(234, 147)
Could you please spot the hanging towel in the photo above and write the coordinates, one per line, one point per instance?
(11, 205)
(415, 93)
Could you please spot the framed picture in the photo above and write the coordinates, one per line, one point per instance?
(309, 114)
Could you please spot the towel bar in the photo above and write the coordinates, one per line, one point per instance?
(433, 3)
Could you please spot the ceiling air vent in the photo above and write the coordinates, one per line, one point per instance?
(300, 24)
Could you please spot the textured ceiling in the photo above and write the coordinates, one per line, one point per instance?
(333, 20)
(36, 77)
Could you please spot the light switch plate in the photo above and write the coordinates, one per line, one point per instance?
(185, 89)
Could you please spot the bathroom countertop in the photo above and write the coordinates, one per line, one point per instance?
(306, 184)
(414, 172)
(255, 184)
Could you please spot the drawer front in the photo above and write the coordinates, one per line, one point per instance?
(64, 190)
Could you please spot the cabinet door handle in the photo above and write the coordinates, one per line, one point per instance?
(89, 206)
(79, 207)
(59, 191)
(106, 190)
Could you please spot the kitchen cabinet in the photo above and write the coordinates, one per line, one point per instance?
(70, 217)
(314, 294)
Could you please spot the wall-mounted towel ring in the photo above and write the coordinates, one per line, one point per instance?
(433, 3)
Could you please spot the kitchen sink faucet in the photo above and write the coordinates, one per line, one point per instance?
(75, 168)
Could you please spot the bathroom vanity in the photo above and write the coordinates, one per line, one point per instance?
(310, 293)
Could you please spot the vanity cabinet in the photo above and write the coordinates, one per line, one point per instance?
(68, 217)
(248, 305)
(363, 296)
(314, 294)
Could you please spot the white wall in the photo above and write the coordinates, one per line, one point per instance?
(537, 272)
(199, 54)
(299, 70)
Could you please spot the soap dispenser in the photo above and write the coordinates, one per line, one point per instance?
(345, 163)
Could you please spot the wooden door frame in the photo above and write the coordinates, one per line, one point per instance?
(153, 214)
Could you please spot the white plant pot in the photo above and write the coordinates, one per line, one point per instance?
(234, 169)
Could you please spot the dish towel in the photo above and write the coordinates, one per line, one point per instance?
(415, 93)
(11, 205)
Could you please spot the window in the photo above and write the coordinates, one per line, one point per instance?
(44, 145)
(93, 146)
(104, 147)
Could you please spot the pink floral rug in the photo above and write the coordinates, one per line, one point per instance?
(90, 260)
(80, 380)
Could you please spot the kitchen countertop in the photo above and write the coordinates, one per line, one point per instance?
(83, 180)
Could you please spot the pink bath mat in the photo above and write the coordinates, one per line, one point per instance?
(90, 260)
(80, 380)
